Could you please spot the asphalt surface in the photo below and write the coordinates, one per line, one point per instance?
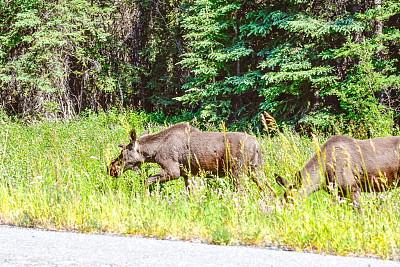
(33, 247)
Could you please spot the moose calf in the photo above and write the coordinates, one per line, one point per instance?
(352, 166)
(183, 149)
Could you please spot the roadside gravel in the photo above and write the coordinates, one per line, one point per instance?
(33, 247)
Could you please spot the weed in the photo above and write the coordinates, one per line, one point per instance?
(53, 175)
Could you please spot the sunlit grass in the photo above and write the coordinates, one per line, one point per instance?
(53, 175)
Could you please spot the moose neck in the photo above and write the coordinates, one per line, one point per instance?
(148, 146)
(310, 174)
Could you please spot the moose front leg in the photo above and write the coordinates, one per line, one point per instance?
(169, 172)
(160, 177)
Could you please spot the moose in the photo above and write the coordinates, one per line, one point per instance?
(183, 149)
(349, 166)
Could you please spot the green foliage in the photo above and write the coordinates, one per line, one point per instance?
(288, 59)
(214, 56)
(358, 93)
(309, 64)
(48, 45)
(65, 30)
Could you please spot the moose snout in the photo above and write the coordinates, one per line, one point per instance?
(114, 170)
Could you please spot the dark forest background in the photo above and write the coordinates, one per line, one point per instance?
(310, 64)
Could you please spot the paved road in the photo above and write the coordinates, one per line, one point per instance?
(31, 247)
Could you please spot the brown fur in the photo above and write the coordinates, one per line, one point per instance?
(182, 148)
(352, 166)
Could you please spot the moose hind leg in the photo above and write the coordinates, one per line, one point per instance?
(187, 184)
(256, 181)
(236, 173)
(355, 194)
(261, 182)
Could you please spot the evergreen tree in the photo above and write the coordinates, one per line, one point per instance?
(311, 64)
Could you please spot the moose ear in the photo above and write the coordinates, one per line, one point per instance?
(281, 181)
(145, 133)
(132, 135)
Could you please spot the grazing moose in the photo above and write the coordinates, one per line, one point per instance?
(183, 149)
(352, 166)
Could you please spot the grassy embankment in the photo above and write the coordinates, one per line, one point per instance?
(52, 175)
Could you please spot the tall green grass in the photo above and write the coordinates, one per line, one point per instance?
(53, 176)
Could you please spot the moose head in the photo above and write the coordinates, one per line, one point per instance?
(130, 157)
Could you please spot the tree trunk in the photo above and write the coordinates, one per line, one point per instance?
(381, 95)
